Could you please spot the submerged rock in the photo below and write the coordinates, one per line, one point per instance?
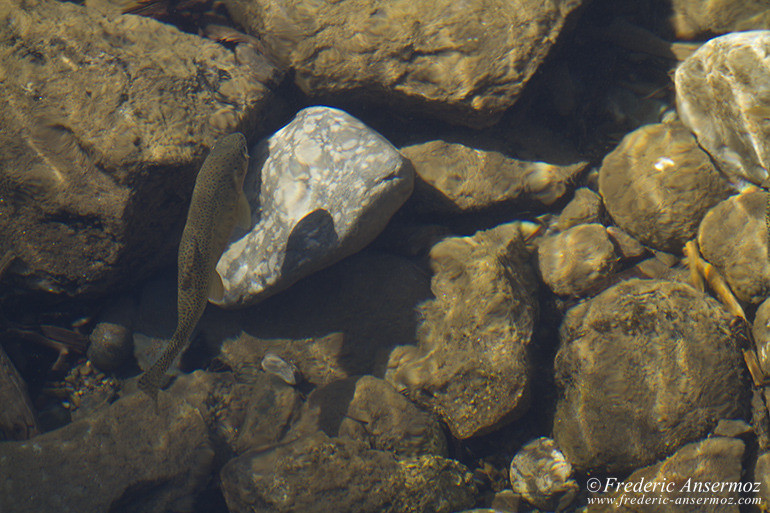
(719, 94)
(109, 462)
(463, 62)
(761, 333)
(658, 184)
(18, 420)
(471, 366)
(733, 237)
(111, 341)
(578, 260)
(318, 474)
(105, 123)
(541, 474)
(696, 18)
(457, 179)
(681, 480)
(370, 410)
(325, 186)
(584, 208)
(643, 368)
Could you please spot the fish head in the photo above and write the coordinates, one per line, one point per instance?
(233, 147)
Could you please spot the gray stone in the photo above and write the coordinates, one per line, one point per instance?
(463, 62)
(694, 18)
(125, 458)
(681, 480)
(325, 186)
(106, 120)
(471, 366)
(457, 179)
(577, 261)
(18, 420)
(733, 238)
(721, 97)
(318, 474)
(542, 476)
(643, 368)
(658, 184)
(369, 409)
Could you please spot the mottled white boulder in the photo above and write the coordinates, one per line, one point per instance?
(723, 96)
(321, 188)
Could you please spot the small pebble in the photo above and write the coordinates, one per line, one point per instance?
(274, 364)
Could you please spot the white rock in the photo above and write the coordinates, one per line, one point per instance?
(321, 188)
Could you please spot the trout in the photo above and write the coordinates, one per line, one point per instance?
(217, 206)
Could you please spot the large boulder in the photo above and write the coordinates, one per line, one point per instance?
(465, 62)
(106, 121)
(471, 366)
(719, 97)
(643, 368)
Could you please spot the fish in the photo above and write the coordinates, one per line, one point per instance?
(218, 205)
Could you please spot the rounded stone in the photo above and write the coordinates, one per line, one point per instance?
(643, 368)
(658, 184)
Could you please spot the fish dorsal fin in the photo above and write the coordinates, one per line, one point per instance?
(216, 289)
(243, 212)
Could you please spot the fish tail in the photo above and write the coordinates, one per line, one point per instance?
(155, 377)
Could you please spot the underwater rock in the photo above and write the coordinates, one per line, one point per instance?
(585, 207)
(679, 481)
(760, 331)
(733, 238)
(658, 184)
(719, 97)
(762, 475)
(577, 261)
(318, 359)
(318, 474)
(105, 123)
(109, 462)
(471, 366)
(277, 366)
(325, 186)
(244, 416)
(464, 62)
(457, 179)
(18, 420)
(111, 341)
(643, 368)
(369, 409)
(695, 18)
(541, 474)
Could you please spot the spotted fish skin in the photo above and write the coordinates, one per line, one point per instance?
(217, 205)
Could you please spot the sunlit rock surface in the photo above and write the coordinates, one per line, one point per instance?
(471, 366)
(733, 237)
(721, 94)
(318, 474)
(578, 260)
(702, 18)
(681, 479)
(110, 460)
(643, 368)
(321, 188)
(455, 179)
(106, 121)
(658, 184)
(465, 62)
(541, 474)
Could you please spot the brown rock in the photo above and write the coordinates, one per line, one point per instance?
(643, 368)
(18, 420)
(471, 366)
(463, 62)
(105, 123)
(658, 184)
